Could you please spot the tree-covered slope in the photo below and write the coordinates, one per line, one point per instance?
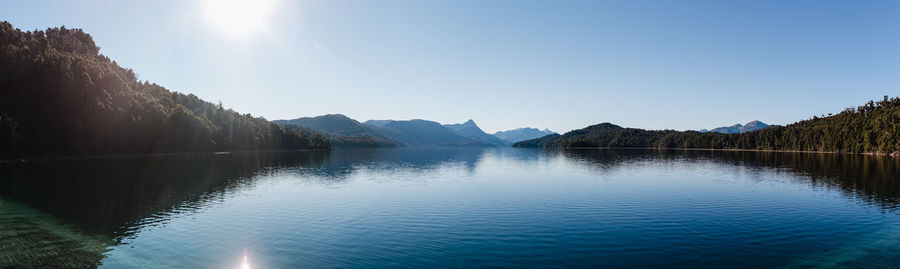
(600, 135)
(59, 95)
(871, 128)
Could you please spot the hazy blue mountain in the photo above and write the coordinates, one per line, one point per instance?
(423, 132)
(471, 130)
(522, 134)
(737, 128)
(343, 131)
(733, 129)
(334, 124)
(378, 123)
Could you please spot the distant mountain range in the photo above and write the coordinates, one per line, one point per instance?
(522, 134)
(470, 130)
(342, 131)
(427, 133)
(738, 128)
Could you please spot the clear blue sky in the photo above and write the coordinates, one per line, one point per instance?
(549, 64)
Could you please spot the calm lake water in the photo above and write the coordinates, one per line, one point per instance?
(496, 207)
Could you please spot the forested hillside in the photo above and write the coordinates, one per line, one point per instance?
(59, 95)
(871, 128)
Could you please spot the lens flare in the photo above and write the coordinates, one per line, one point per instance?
(245, 264)
(239, 18)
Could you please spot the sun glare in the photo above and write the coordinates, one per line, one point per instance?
(245, 264)
(239, 18)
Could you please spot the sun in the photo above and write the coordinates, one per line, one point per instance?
(239, 18)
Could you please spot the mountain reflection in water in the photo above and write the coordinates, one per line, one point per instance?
(72, 212)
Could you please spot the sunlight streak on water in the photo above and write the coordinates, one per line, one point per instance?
(245, 264)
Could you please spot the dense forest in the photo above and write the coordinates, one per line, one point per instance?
(59, 95)
(871, 128)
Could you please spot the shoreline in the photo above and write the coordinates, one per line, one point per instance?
(75, 157)
(735, 150)
(135, 155)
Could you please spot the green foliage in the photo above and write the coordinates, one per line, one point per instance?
(58, 95)
(871, 128)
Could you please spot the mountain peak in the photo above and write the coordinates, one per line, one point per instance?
(334, 116)
(605, 125)
(738, 128)
(459, 126)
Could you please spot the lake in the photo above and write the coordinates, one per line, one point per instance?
(462, 207)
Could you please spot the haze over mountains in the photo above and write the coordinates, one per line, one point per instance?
(522, 134)
(471, 130)
(342, 131)
(738, 128)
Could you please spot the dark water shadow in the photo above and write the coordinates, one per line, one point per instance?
(871, 180)
(68, 213)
